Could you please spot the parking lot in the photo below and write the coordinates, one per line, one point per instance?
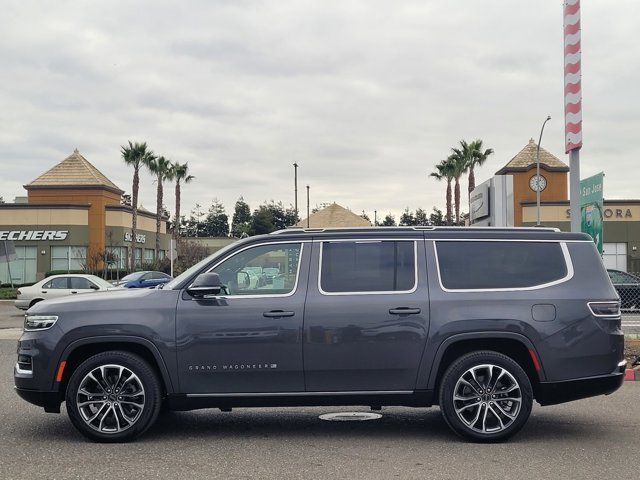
(594, 438)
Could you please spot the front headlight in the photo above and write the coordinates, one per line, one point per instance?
(39, 322)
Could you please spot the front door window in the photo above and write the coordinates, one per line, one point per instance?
(262, 270)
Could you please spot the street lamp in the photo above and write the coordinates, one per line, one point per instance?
(538, 171)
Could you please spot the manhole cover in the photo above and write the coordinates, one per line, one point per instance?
(350, 416)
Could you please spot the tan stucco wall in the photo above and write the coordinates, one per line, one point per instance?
(117, 218)
(44, 216)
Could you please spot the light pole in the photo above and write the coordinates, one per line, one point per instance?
(307, 206)
(538, 171)
(295, 185)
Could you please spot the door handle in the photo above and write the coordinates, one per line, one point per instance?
(44, 291)
(278, 314)
(404, 311)
(73, 291)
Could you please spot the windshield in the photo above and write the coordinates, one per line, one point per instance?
(132, 276)
(201, 264)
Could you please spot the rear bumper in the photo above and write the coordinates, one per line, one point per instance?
(22, 304)
(552, 393)
(50, 401)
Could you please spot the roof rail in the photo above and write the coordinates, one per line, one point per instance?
(417, 227)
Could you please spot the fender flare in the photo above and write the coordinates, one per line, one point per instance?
(162, 367)
(447, 342)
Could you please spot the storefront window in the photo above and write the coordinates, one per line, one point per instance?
(119, 257)
(138, 257)
(67, 258)
(23, 268)
(149, 255)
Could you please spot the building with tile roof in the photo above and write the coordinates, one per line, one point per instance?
(333, 216)
(73, 215)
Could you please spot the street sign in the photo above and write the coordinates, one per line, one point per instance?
(591, 208)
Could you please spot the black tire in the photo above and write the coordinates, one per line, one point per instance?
(144, 417)
(33, 302)
(502, 425)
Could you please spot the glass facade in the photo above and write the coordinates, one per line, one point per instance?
(68, 257)
(23, 268)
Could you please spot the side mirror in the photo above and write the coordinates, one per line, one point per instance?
(205, 284)
(94, 287)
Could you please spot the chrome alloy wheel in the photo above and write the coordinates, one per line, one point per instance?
(487, 398)
(110, 398)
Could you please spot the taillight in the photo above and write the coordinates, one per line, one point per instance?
(604, 309)
(18, 292)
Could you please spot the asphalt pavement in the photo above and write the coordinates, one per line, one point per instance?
(589, 439)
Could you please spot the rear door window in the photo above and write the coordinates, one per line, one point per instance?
(379, 266)
(59, 283)
(471, 265)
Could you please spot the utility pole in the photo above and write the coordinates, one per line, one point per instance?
(375, 218)
(295, 186)
(307, 206)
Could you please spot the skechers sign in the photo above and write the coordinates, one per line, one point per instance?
(33, 234)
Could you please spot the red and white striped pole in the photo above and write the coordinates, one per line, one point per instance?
(573, 104)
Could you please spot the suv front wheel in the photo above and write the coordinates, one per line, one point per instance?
(485, 396)
(113, 397)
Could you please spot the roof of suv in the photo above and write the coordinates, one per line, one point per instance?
(529, 233)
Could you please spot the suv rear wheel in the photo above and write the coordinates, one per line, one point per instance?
(113, 397)
(485, 396)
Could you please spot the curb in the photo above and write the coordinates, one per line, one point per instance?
(631, 375)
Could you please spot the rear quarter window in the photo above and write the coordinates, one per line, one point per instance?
(471, 265)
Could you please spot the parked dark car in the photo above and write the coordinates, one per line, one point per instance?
(480, 321)
(146, 279)
(628, 287)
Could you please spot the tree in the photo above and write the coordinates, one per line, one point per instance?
(179, 173)
(421, 218)
(272, 213)
(389, 221)
(262, 221)
(436, 217)
(445, 171)
(135, 155)
(191, 252)
(125, 200)
(407, 219)
(161, 167)
(478, 157)
(216, 223)
(460, 162)
(241, 221)
(1, 199)
(193, 225)
(365, 216)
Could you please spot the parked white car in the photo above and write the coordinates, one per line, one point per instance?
(57, 286)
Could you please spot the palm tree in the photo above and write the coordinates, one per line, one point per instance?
(179, 173)
(477, 159)
(445, 171)
(161, 168)
(460, 162)
(135, 155)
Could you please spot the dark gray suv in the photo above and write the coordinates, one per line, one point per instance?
(478, 321)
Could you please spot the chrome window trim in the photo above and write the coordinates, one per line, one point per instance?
(310, 394)
(277, 295)
(370, 240)
(608, 302)
(566, 278)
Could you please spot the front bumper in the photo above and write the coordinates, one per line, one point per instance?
(22, 304)
(50, 401)
(552, 393)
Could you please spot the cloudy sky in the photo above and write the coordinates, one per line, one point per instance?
(366, 96)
